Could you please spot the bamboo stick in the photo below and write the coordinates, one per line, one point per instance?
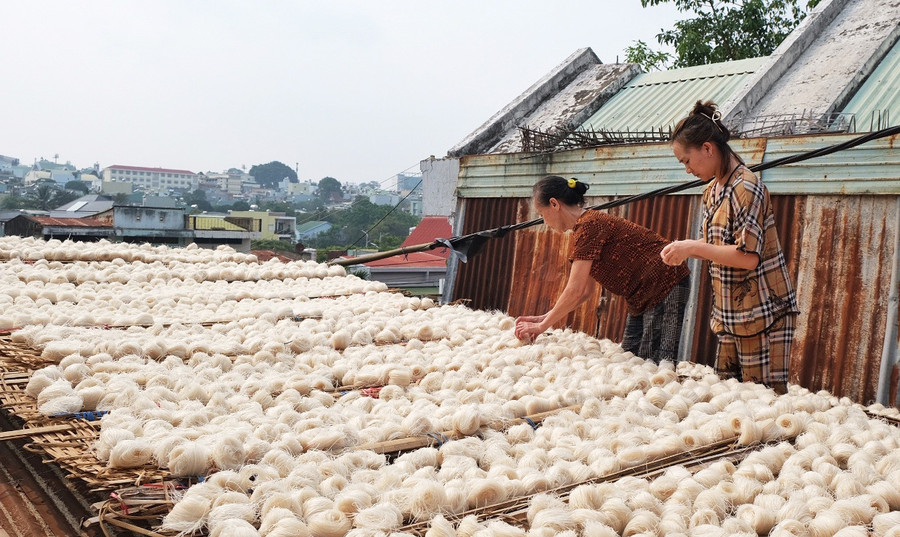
(27, 433)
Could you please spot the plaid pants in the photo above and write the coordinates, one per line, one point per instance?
(655, 334)
(761, 358)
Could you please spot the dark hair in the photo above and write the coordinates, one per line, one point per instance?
(567, 191)
(704, 124)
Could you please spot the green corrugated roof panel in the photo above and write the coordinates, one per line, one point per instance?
(879, 94)
(658, 100)
(871, 168)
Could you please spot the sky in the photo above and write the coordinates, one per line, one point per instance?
(355, 90)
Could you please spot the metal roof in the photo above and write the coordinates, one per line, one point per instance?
(871, 168)
(879, 94)
(658, 100)
(70, 222)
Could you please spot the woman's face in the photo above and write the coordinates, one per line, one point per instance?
(702, 161)
(551, 214)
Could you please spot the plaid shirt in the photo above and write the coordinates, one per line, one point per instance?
(746, 302)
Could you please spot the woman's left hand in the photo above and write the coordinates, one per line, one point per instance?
(676, 252)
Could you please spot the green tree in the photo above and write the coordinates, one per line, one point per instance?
(383, 223)
(649, 59)
(240, 205)
(278, 207)
(269, 175)
(272, 244)
(723, 30)
(41, 197)
(62, 197)
(13, 201)
(198, 198)
(80, 186)
(312, 206)
(330, 190)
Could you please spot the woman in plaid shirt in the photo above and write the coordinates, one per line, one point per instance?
(754, 304)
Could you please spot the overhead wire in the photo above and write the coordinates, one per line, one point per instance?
(313, 216)
(394, 208)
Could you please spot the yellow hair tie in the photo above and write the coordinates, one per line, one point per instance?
(572, 183)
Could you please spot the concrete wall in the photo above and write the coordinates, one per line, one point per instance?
(148, 218)
(439, 178)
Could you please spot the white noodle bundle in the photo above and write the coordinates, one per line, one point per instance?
(130, 453)
(235, 527)
(598, 529)
(440, 527)
(469, 526)
(885, 523)
(852, 531)
(225, 514)
(383, 517)
(642, 522)
(40, 379)
(285, 527)
(354, 498)
(189, 459)
(425, 498)
(188, 515)
(328, 523)
(889, 492)
(467, 420)
(228, 452)
(759, 519)
(59, 398)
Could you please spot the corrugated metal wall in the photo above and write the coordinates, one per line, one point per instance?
(840, 249)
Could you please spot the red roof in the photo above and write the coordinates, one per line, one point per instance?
(264, 255)
(143, 169)
(413, 259)
(429, 229)
(71, 222)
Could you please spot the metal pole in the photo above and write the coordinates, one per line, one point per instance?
(889, 348)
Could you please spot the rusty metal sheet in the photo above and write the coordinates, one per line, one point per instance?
(844, 277)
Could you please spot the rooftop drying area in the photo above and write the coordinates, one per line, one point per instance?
(191, 391)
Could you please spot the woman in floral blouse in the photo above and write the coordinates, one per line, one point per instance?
(754, 304)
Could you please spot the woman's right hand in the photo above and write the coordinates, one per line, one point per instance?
(528, 327)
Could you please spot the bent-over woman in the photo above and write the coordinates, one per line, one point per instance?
(621, 256)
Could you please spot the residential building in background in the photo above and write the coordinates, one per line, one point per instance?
(311, 229)
(275, 225)
(160, 180)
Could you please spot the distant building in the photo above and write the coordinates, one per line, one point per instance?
(116, 187)
(7, 164)
(309, 230)
(92, 181)
(408, 182)
(85, 206)
(384, 198)
(47, 227)
(229, 182)
(152, 179)
(275, 225)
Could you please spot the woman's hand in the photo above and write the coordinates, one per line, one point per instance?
(528, 328)
(676, 252)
